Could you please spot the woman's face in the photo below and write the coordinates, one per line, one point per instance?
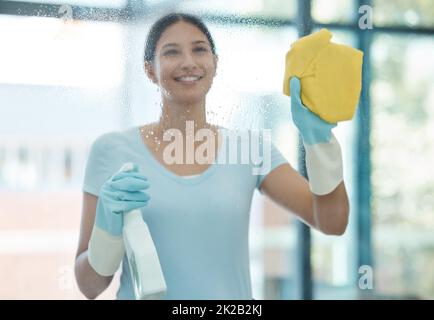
(184, 65)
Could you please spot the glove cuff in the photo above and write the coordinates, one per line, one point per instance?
(320, 135)
(324, 166)
(105, 252)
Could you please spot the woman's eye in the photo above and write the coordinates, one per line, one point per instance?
(170, 52)
(200, 49)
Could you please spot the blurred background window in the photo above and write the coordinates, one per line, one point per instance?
(403, 152)
(65, 80)
(406, 13)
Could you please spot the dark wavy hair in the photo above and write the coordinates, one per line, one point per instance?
(166, 21)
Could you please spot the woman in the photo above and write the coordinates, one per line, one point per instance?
(197, 212)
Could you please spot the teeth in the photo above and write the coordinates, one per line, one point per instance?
(188, 78)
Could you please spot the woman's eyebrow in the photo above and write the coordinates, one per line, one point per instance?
(199, 41)
(175, 44)
(169, 44)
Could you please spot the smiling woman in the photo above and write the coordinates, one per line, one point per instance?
(200, 225)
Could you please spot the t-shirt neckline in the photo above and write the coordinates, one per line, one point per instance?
(197, 178)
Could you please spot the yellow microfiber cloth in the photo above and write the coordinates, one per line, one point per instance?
(330, 75)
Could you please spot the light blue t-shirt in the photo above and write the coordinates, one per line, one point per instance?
(200, 225)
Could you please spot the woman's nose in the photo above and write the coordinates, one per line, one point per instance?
(188, 61)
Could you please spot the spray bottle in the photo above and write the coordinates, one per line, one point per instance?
(145, 269)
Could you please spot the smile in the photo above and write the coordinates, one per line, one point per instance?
(188, 79)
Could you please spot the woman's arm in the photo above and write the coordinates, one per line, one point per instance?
(326, 213)
(91, 284)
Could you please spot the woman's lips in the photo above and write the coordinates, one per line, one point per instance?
(188, 79)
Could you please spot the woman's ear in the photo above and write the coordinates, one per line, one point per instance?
(149, 70)
(216, 59)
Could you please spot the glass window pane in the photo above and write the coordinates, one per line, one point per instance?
(403, 153)
(48, 51)
(59, 89)
(86, 3)
(43, 153)
(327, 11)
(404, 13)
(243, 8)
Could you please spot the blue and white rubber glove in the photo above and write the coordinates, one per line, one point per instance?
(120, 194)
(323, 152)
